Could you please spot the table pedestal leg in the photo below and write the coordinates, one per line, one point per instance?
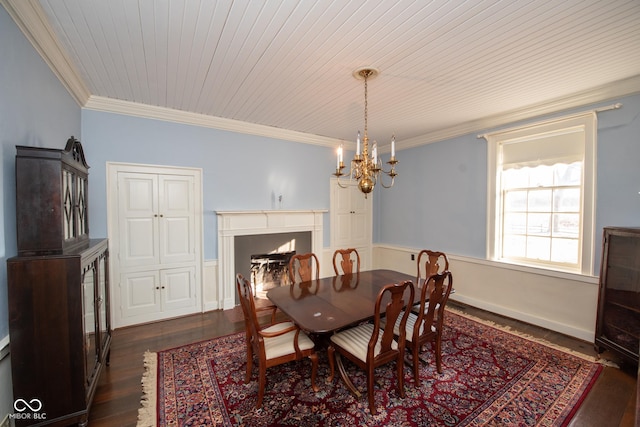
(345, 377)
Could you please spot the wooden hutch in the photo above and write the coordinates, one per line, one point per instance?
(618, 319)
(58, 288)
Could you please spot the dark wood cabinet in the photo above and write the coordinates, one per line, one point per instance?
(51, 199)
(618, 319)
(58, 289)
(59, 329)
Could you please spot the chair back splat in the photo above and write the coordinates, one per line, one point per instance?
(346, 261)
(304, 267)
(430, 262)
(271, 344)
(369, 346)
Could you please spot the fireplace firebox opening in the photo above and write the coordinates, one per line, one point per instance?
(264, 258)
(269, 271)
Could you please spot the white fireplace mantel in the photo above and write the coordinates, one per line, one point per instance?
(245, 223)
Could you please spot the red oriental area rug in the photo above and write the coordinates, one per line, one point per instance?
(490, 377)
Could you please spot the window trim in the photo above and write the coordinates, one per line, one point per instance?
(588, 123)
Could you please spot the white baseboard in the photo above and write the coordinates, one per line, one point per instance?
(585, 335)
(209, 306)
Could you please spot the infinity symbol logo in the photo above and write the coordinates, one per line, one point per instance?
(22, 405)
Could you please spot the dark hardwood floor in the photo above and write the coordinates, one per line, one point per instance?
(610, 403)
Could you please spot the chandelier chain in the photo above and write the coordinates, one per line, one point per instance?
(366, 104)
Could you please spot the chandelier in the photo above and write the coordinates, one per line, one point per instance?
(366, 166)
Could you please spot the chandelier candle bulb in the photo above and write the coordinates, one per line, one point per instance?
(393, 147)
(358, 145)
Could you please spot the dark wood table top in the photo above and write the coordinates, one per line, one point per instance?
(332, 303)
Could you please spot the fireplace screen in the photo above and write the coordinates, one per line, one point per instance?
(269, 271)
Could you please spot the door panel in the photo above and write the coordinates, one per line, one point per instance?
(361, 208)
(176, 219)
(141, 293)
(178, 288)
(341, 216)
(90, 339)
(138, 220)
(177, 245)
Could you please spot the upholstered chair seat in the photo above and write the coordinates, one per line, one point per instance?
(282, 345)
(356, 340)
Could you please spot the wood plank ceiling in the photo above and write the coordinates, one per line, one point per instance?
(288, 64)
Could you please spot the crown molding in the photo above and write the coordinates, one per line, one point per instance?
(99, 103)
(603, 93)
(32, 21)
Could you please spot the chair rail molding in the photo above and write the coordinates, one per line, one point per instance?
(246, 223)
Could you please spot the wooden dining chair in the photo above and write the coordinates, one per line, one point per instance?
(426, 325)
(304, 267)
(369, 346)
(429, 263)
(272, 344)
(348, 257)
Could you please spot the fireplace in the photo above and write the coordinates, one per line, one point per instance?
(264, 258)
(269, 271)
(235, 227)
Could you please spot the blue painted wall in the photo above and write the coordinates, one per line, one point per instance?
(36, 110)
(240, 172)
(440, 197)
(438, 201)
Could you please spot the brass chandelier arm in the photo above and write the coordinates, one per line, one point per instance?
(393, 178)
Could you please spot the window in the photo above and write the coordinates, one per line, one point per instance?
(541, 194)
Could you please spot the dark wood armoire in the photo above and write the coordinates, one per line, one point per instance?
(58, 289)
(618, 318)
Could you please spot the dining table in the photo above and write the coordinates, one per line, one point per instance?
(323, 306)
(326, 305)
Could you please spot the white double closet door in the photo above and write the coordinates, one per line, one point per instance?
(155, 232)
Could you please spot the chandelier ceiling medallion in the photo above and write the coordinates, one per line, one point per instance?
(366, 166)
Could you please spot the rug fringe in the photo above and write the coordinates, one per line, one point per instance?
(147, 413)
(542, 341)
